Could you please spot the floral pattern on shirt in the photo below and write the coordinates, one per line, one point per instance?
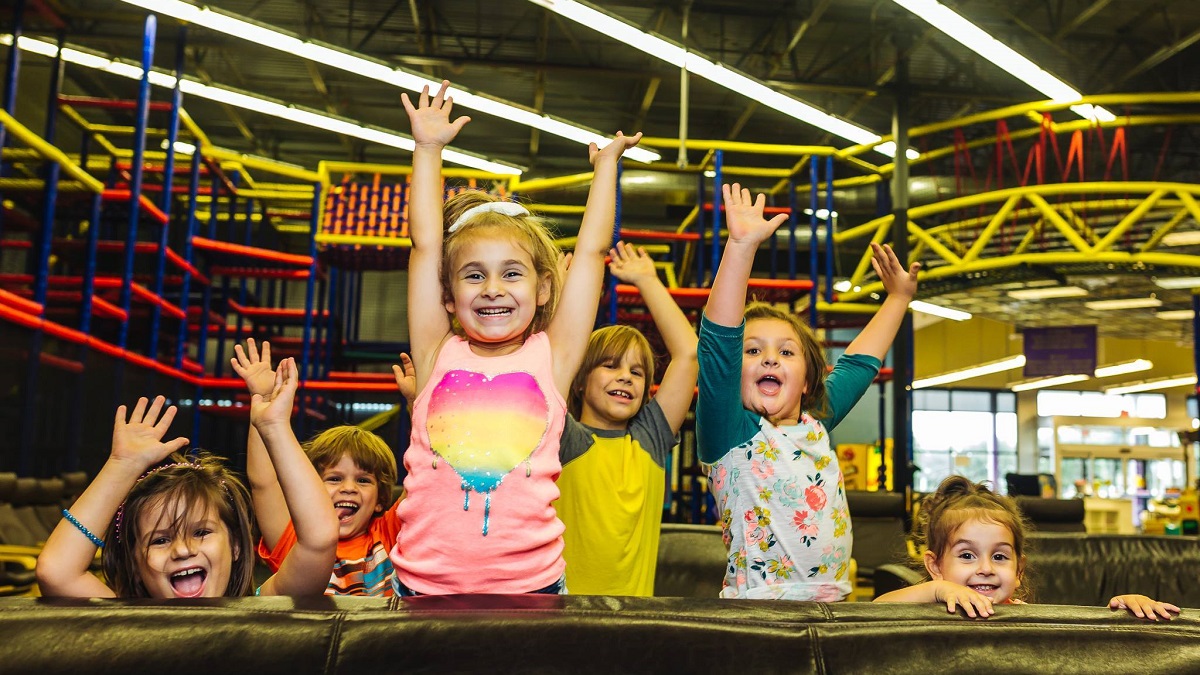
(784, 516)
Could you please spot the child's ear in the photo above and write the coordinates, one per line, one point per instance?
(932, 566)
(543, 295)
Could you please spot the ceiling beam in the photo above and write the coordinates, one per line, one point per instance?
(1080, 19)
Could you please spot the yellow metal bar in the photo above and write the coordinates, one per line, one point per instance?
(860, 163)
(291, 229)
(35, 184)
(993, 225)
(561, 209)
(1030, 235)
(224, 216)
(917, 251)
(566, 243)
(330, 167)
(1128, 221)
(882, 228)
(1086, 231)
(23, 134)
(688, 220)
(348, 239)
(1190, 204)
(739, 146)
(537, 184)
(846, 308)
(1163, 230)
(937, 247)
(261, 164)
(194, 129)
(668, 269)
(1059, 222)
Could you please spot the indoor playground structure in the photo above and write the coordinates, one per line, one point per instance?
(145, 253)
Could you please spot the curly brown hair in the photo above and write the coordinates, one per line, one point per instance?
(957, 501)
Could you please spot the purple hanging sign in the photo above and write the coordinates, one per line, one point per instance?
(1060, 350)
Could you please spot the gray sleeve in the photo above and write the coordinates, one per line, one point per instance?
(652, 431)
(575, 441)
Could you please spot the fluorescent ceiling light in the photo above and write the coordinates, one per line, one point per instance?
(266, 106)
(715, 72)
(1177, 282)
(1135, 366)
(1123, 303)
(358, 64)
(180, 147)
(1190, 238)
(938, 310)
(1047, 293)
(1153, 385)
(1176, 314)
(1043, 382)
(988, 368)
(974, 38)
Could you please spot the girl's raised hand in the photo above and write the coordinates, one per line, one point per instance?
(745, 215)
(406, 378)
(631, 264)
(275, 409)
(615, 148)
(1143, 607)
(430, 118)
(139, 439)
(975, 604)
(254, 368)
(896, 280)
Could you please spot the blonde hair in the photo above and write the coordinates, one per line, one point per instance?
(364, 448)
(527, 232)
(195, 483)
(610, 344)
(816, 402)
(958, 501)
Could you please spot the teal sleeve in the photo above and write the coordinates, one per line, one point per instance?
(851, 376)
(721, 422)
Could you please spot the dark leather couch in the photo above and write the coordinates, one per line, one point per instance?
(1088, 569)
(576, 635)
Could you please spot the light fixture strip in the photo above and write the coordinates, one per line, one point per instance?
(258, 104)
(979, 41)
(1047, 382)
(982, 369)
(1134, 366)
(358, 64)
(938, 310)
(1152, 385)
(715, 72)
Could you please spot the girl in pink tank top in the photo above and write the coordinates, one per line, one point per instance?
(493, 360)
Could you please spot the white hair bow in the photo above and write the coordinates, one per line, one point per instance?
(507, 208)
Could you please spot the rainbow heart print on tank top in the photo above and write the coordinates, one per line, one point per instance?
(485, 428)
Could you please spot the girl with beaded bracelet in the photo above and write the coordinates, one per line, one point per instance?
(180, 527)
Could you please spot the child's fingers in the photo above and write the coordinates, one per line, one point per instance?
(952, 606)
(165, 422)
(121, 417)
(266, 352)
(155, 409)
(408, 105)
(139, 410)
(253, 349)
(777, 221)
(440, 99)
(727, 194)
(176, 445)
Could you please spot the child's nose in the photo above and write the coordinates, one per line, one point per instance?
(181, 547)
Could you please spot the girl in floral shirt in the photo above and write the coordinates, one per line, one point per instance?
(764, 408)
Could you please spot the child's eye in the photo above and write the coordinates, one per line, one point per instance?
(638, 373)
(202, 533)
(366, 481)
(753, 351)
(512, 274)
(966, 555)
(473, 276)
(333, 479)
(160, 541)
(1000, 557)
(787, 352)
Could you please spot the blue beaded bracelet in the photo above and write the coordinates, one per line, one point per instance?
(79, 526)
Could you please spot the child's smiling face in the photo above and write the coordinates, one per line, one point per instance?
(495, 290)
(614, 391)
(774, 372)
(355, 495)
(186, 555)
(981, 556)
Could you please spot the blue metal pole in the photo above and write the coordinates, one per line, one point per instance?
(305, 350)
(135, 184)
(813, 167)
(701, 228)
(829, 221)
(793, 222)
(185, 288)
(616, 236)
(206, 308)
(10, 76)
(718, 163)
(168, 197)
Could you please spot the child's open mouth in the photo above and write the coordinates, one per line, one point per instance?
(769, 385)
(345, 510)
(494, 311)
(984, 589)
(619, 393)
(189, 583)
